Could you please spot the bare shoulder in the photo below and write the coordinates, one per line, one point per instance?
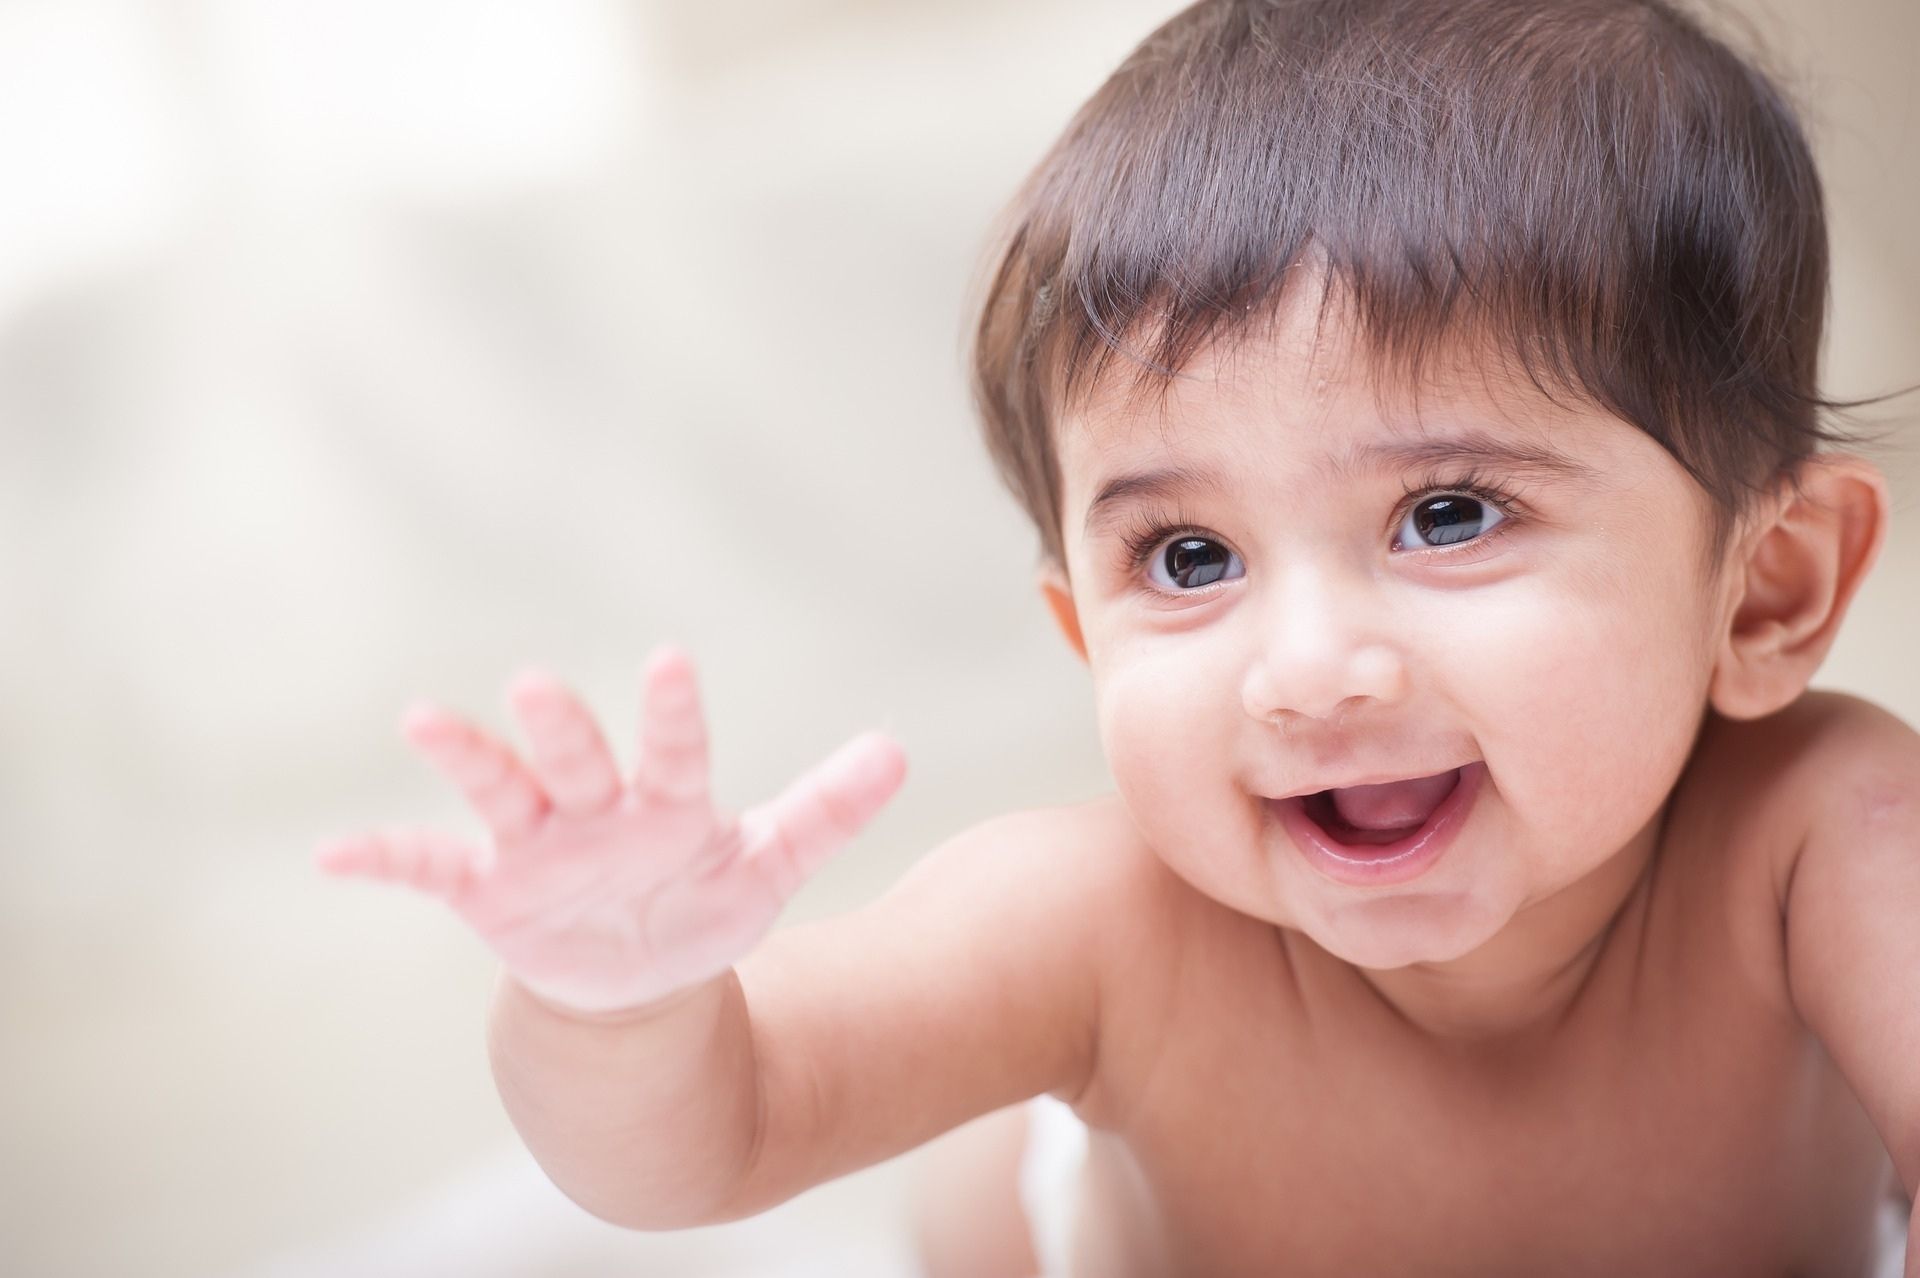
(1859, 770)
(1112, 894)
(1076, 872)
(1141, 901)
(1817, 762)
(971, 984)
(1851, 897)
(1151, 931)
(1855, 748)
(1127, 919)
(1072, 847)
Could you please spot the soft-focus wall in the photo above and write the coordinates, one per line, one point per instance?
(359, 351)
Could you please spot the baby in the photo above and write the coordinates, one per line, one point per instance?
(1417, 404)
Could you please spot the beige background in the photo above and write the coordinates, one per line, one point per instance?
(358, 351)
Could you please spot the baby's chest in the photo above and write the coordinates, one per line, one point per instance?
(1728, 1158)
(1671, 1137)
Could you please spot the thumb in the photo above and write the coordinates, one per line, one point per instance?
(787, 838)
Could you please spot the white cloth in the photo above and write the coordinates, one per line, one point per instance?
(1056, 1152)
(1891, 1253)
(1050, 1180)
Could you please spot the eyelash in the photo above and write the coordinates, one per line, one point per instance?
(1150, 530)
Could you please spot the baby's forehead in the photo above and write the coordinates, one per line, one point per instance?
(1328, 401)
(1309, 345)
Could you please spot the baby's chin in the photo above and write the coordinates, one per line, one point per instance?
(1399, 930)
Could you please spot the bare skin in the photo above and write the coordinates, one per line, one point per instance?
(1257, 1106)
(1652, 1012)
(1258, 1109)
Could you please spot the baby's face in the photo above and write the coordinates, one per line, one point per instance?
(1304, 622)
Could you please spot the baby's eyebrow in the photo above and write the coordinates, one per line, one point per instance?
(1533, 460)
(1162, 482)
(1537, 461)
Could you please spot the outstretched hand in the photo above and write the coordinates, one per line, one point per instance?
(601, 893)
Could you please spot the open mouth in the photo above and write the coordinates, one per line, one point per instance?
(1377, 837)
(1365, 816)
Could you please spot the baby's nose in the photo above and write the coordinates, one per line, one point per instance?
(1310, 664)
(1285, 697)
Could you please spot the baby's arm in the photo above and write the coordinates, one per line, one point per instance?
(1853, 929)
(658, 1086)
(969, 986)
(832, 1046)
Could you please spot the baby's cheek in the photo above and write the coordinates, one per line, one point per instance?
(1168, 751)
(1137, 720)
(1590, 713)
(1162, 741)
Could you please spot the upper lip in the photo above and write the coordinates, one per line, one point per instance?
(1372, 778)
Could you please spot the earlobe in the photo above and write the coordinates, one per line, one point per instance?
(1059, 596)
(1802, 566)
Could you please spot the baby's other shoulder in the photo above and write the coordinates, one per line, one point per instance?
(1801, 768)
(1859, 761)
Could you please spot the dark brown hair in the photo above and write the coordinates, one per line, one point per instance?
(1596, 189)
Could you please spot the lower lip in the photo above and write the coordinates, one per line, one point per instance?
(1383, 864)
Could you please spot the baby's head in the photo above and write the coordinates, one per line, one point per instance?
(1405, 384)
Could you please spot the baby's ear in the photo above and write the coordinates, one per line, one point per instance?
(1800, 568)
(1059, 596)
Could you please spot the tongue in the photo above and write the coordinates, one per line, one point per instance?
(1394, 805)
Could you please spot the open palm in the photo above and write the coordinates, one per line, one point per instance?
(599, 893)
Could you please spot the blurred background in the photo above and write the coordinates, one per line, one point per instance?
(374, 349)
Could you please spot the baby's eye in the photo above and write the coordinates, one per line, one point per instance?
(1189, 562)
(1448, 518)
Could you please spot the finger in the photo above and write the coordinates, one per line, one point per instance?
(436, 863)
(496, 783)
(791, 836)
(570, 756)
(673, 731)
